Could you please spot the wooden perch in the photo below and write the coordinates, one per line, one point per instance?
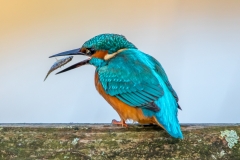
(103, 141)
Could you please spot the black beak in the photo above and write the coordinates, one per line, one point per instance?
(72, 52)
(79, 64)
(67, 53)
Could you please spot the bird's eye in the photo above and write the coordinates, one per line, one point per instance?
(92, 50)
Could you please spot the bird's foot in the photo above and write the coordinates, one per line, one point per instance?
(122, 123)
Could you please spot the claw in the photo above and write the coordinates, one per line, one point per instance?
(122, 123)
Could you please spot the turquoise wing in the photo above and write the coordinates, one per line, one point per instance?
(160, 71)
(131, 81)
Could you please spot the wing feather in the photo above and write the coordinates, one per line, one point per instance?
(133, 83)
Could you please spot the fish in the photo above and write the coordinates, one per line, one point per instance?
(59, 64)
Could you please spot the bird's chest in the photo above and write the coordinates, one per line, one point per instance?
(96, 81)
(125, 111)
(99, 87)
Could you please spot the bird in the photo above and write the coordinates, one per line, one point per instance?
(132, 82)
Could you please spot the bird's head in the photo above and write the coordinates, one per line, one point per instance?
(102, 47)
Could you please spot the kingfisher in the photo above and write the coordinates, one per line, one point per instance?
(131, 81)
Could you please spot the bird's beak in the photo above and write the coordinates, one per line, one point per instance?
(79, 64)
(72, 52)
(67, 53)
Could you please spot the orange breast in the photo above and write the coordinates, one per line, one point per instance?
(125, 111)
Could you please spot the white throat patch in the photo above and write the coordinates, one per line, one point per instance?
(109, 56)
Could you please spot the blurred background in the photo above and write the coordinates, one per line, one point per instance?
(197, 43)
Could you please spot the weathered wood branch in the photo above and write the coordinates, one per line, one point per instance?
(103, 141)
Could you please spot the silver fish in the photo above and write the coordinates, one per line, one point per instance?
(58, 64)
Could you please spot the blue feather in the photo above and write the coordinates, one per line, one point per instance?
(167, 116)
(136, 79)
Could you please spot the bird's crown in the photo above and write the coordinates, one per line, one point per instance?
(109, 42)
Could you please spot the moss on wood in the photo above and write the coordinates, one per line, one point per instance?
(110, 142)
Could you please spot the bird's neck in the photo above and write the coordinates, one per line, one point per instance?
(97, 62)
(98, 59)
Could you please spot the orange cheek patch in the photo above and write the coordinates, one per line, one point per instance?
(83, 50)
(100, 54)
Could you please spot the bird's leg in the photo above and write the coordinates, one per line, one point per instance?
(122, 122)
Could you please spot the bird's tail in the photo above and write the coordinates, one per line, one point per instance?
(167, 116)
